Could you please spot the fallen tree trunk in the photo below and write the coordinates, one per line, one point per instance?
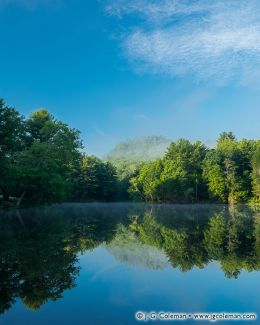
(20, 199)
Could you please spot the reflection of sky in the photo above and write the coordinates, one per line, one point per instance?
(110, 292)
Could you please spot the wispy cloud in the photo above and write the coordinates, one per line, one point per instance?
(106, 136)
(207, 39)
(142, 117)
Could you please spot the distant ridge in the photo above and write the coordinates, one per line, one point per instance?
(139, 149)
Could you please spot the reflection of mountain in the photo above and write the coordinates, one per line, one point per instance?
(127, 248)
(39, 247)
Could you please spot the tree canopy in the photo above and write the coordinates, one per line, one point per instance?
(42, 161)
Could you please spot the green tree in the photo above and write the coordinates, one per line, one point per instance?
(256, 174)
(11, 141)
(41, 126)
(46, 166)
(227, 169)
(182, 173)
(214, 176)
(96, 180)
(145, 184)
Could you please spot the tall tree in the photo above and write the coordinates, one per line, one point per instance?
(96, 180)
(47, 164)
(144, 186)
(183, 162)
(256, 174)
(227, 169)
(11, 141)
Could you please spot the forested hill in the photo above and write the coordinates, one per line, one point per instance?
(139, 149)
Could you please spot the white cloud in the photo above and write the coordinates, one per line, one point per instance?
(157, 10)
(208, 39)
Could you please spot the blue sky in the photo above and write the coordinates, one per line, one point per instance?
(120, 69)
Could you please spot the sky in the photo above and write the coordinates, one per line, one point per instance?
(118, 69)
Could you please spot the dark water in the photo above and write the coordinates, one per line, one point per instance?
(99, 264)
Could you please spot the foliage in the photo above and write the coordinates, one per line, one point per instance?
(256, 173)
(175, 178)
(145, 184)
(41, 161)
(227, 169)
(129, 156)
(96, 180)
(40, 158)
(12, 133)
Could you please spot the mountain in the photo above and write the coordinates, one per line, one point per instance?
(139, 149)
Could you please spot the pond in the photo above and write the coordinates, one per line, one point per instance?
(101, 263)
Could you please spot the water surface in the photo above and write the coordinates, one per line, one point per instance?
(100, 263)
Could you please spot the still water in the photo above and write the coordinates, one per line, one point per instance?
(101, 263)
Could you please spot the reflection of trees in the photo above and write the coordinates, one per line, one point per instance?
(9, 283)
(230, 237)
(232, 241)
(257, 236)
(38, 251)
(38, 264)
(39, 247)
(183, 245)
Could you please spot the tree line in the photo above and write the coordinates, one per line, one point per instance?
(192, 172)
(42, 160)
